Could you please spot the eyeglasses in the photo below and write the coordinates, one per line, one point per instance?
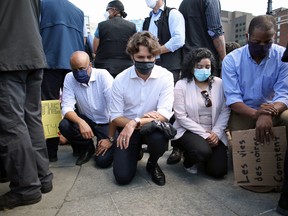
(208, 102)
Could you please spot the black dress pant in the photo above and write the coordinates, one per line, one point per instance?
(125, 160)
(53, 80)
(80, 145)
(197, 150)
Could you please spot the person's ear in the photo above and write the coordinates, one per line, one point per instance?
(247, 36)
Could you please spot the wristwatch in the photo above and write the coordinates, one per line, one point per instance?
(111, 139)
(138, 121)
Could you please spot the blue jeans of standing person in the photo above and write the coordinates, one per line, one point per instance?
(22, 143)
(125, 160)
(72, 133)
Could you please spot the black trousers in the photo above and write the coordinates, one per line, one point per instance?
(197, 150)
(125, 160)
(72, 133)
(23, 150)
(53, 80)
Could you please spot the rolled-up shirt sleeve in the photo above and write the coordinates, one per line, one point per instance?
(213, 17)
(177, 31)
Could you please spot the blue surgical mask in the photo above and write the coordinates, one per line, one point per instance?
(202, 74)
(81, 76)
(144, 67)
(151, 3)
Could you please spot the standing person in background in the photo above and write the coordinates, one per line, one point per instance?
(111, 39)
(22, 143)
(203, 30)
(168, 25)
(63, 32)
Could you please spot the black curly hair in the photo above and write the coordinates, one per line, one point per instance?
(194, 57)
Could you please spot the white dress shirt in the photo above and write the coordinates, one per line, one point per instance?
(132, 97)
(93, 100)
(176, 24)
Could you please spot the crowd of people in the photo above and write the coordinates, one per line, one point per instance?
(130, 80)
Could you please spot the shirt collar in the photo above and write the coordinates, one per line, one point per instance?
(161, 9)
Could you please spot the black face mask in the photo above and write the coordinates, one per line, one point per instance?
(144, 67)
(257, 50)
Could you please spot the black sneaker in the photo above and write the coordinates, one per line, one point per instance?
(282, 207)
(11, 200)
(46, 188)
(175, 156)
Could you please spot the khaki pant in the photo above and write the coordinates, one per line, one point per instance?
(240, 122)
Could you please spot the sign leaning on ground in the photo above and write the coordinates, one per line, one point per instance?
(255, 164)
(51, 116)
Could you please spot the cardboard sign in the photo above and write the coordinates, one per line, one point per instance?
(256, 164)
(51, 117)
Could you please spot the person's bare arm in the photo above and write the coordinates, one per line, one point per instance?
(96, 42)
(219, 44)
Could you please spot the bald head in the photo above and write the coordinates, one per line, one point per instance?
(79, 60)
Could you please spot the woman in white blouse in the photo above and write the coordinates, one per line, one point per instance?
(201, 115)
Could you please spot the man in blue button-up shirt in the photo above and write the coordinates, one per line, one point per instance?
(255, 82)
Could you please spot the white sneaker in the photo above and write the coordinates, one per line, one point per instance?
(193, 169)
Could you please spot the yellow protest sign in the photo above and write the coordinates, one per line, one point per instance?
(51, 117)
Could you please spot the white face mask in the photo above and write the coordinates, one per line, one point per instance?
(151, 3)
(106, 15)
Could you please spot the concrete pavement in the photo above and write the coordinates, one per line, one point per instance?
(88, 191)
